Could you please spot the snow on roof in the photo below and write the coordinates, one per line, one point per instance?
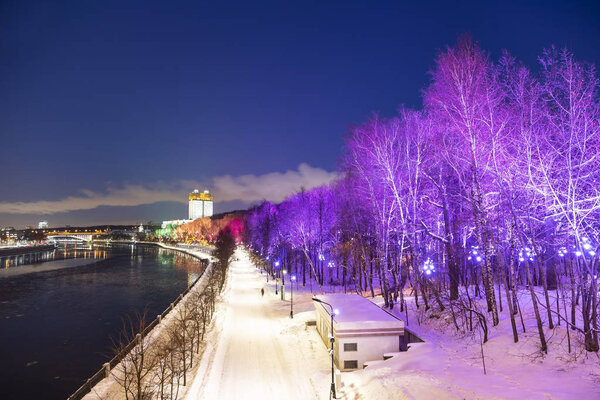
(355, 311)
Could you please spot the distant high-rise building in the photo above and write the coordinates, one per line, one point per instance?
(201, 204)
(42, 224)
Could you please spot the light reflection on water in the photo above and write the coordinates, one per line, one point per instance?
(55, 326)
(84, 251)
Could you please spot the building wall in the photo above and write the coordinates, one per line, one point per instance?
(368, 348)
(195, 209)
(175, 222)
(200, 209)
(208, 208)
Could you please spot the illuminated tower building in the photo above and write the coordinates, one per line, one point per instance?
(201, 204)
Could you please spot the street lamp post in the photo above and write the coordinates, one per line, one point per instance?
(292, 279)
(276, 280)
(331, 340)
(283, 274)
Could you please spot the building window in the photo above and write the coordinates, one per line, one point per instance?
(350, 347)
(350, 364)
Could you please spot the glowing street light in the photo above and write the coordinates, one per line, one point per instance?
(331, 340)
(293, 279)
(276, 264)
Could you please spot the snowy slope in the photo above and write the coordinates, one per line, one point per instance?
(258, 352)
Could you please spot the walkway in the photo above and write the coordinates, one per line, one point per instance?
(261, 353)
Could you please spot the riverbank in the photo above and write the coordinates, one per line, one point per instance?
(106, 383)
(56, 326)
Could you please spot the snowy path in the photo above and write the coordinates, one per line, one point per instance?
(258, 354)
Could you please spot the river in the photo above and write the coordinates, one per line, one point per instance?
(59, 312)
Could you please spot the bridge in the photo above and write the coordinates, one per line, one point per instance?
(72, 237)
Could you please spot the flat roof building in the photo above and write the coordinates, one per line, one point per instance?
(362, 331)
(200, 204)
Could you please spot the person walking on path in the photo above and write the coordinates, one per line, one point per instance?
(262, 292)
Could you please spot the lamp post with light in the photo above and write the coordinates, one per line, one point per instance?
(292, 279)
(331, 340)
(283, 274)
(275, 273)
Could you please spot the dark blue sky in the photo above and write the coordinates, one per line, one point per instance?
(100, 94)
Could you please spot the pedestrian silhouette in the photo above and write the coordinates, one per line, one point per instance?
(262, 292)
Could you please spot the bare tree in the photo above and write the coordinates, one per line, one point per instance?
(137, 360)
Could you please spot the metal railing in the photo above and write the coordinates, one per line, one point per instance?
(105, 372)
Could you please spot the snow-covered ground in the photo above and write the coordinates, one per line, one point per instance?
(261, 353)
(255, 351)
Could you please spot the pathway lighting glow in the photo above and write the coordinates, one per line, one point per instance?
(478, 259)
(276, 263)
(293, 277)
(336, 312)
(331, 264)
(578, 253)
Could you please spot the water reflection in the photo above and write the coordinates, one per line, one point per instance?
(56, 325)
(63, 252)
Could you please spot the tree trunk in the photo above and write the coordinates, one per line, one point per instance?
(536, 310)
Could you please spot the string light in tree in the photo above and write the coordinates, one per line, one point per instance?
(474, 254)
(562, 251)
(587, 246)
(428, 266)
(526, 253)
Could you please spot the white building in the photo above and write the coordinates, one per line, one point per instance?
(362, 331)
(175, 222)
(42, 224)
(201, 204)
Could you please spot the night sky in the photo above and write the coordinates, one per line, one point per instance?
(107, 105)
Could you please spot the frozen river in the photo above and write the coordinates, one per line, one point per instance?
(57, 317)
